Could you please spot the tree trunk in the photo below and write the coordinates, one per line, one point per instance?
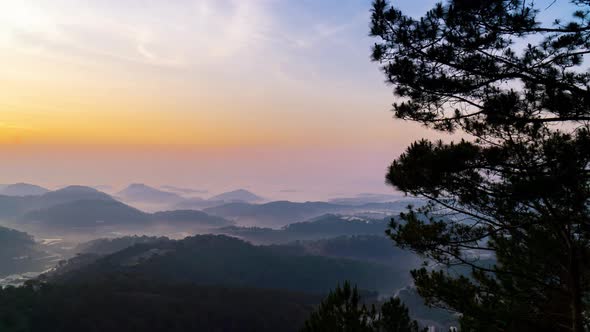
(576, 291)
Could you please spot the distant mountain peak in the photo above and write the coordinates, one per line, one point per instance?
(23, 189)
(139, 192)
(182, 190)
(77, 188)
(238, 195)
(138, 186)
(73, 193)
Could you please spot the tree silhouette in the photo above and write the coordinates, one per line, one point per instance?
(518, 191)
(343, 311)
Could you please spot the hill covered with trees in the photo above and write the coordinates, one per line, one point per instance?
(222, 260)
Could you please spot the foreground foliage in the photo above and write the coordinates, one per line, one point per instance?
(343, 311)
(121, 305)
(518, 191)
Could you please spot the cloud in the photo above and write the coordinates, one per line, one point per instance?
(175, 33)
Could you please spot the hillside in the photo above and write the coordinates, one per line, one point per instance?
(22, 189)
(360, 247)
(221, 260)
(101, 213)
(331, 224)
(109, 246)
(240, 195)
(325, 226)
(138, 192)
(20, 253)
(196, 203)
(12, 207)
(183, 191)
(273, 214)
(87, 213)
(188, 217)
(70, 194)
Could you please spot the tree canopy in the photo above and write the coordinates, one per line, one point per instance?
(518, 190)
(343, 311)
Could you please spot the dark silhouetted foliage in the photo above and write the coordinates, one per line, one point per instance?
(519, 191)
(343, 311)
(122, 305)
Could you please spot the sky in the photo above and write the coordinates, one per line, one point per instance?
(276, 96)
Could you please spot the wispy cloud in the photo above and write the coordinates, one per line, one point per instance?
(175, 33)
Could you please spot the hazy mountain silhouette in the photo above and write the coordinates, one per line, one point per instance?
(12, 207)
(183, 191)
(331, 224)
(236, 196)
(189, 217)
(70, 194)
(274, 214)
(138, 192)
(94, 213)
(87, 213)
(240, 195)
(103, 187)
(365, 198)
(22, 189)
(325, 226)
(196, 203)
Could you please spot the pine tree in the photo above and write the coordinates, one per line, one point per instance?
(343, 311)
(518, 190)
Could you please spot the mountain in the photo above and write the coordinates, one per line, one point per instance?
(274, 214)
(70, 194)
(281, 213)
(325, 226)
(236, 196)
(19, 253)
(13, 207)
(86, 213)
(109, 246)
(373, 248)
(189, 217)
(93, 213)
(138, 192)
(103, 187)
(331, 224)
(222, 260)
(183, 191)
(366, 198)
(196, 203)
(23, 189)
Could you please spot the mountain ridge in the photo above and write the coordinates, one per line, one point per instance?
(22, 189)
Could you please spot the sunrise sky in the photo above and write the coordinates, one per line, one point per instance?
(270, 95)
